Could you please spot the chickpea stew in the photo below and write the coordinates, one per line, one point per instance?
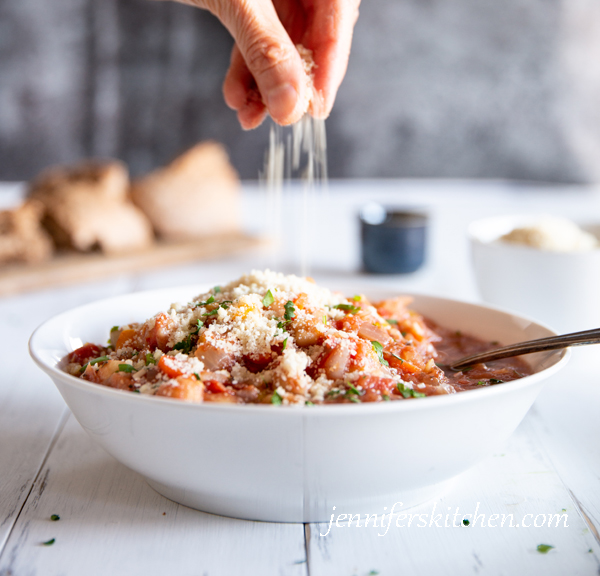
(268, 338)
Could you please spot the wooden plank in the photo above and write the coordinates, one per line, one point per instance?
(70, 268)
(520, 480)
(112, 522)
(30, 406)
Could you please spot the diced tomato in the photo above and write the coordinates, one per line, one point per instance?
(215, 387)
(84, 354)
(125, 337)
(168, 365)
(158, 335)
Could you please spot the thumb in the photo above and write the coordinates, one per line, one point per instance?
(270, 56)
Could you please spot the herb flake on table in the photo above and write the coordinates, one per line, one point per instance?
(49, 542)
(544, 548)
(55, 517)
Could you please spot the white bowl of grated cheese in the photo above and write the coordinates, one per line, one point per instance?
(295, 463)
(545, 267)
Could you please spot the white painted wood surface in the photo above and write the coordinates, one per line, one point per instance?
(113, 523)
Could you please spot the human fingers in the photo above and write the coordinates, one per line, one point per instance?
(329, 35)
(269, 55)
(241, 92)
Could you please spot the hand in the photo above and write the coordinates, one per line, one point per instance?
(266, 74)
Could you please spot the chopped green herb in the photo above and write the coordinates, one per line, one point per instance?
(466, 522)
(408, 392)
(379, 351)
(324, 318)
(284, 344)
(354, 390)
(268, 299)
(276, 399)
(386, 397)
(217, 289)
(185, 345)
(347, 308)
(126, 368)
(55, 517)
(211, 313)
(49, 542)
(357, 298)
(209, 301)
(353, 398)
(590, 551)
(136, 391)
(480, 383)
(544, 548)
(225, 304)
(92, 362)
(396, 356)
(196, 375)
(392, 321)
(564, 509)
(309, 403)
(150, 359)
(373, 573)
(335, 392)
(495, 381)
(199, 325)
(290, 310)
(114, 329)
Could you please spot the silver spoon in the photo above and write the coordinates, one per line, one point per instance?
(539, 345)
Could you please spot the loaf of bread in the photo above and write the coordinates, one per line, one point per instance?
(22, 238)
(196, 195)
(87, 207)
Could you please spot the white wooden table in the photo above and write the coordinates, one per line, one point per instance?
(111, 522)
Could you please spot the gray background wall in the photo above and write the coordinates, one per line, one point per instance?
(435, 88)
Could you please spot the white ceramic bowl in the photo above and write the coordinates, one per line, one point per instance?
(291, 464)
(560, 289)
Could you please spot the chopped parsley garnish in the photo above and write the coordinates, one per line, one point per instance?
(126, 368)
(347, 308)
(392, 321)
(284, 344)
(185, 345)
(354, 390)
(49, 542)
(480, 383)
(217, 289)
(276, 399)
(114, 329)
(324, 318)
(92, 362)
(196, 375)
(373, 573)
(408, 392)
(466, 522)
(150, 359)
(211, 313)
(290, 310)
(136, 391)
(396, 356)
(225, 304)
(268, 299)
(386, 397)
(353, 393)
(495, 381)
(357, 298)
(308, 403)
(209, 301)
(334, 393)
(55, 517)
(199, 325)
(379, 351)
(544, 548)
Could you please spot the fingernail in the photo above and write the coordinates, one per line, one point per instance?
(281, 101)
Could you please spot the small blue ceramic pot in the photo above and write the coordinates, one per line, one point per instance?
(393, 240)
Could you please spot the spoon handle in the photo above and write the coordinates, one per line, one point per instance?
(552, 343)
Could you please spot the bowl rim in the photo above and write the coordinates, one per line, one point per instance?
(523, 218)
(304, 411)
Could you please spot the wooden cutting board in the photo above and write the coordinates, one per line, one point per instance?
(68, 268)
